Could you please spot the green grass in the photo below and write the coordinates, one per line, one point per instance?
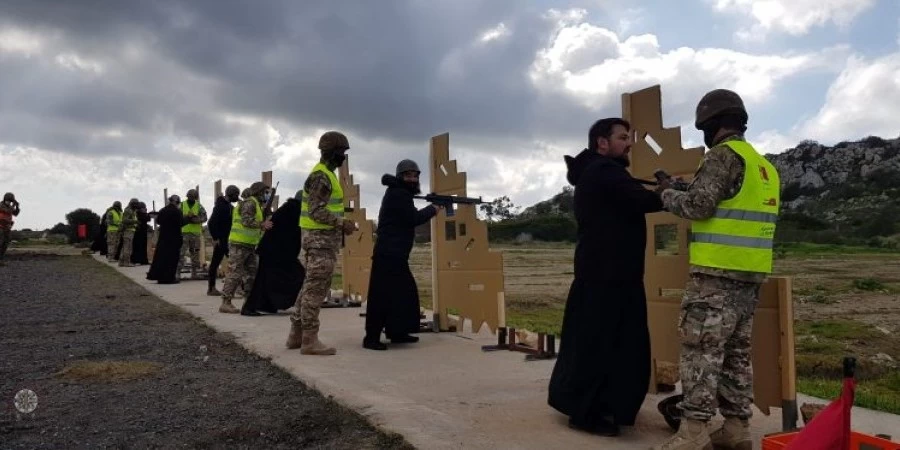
(805, 249)
(868, 284)
(337, 281)
(539, 320)
(837, 329)
(882, 394)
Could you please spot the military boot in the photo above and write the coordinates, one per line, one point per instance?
(227, 307)
(295, 338)
(311, 345)
(734, 435)
(692, 435)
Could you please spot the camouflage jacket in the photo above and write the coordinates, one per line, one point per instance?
(318, 189)
(129, 220)
(719, 178)
(248, 214)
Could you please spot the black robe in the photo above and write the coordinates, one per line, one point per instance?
(100, 244)
(602, 370)
(279, 276)
(139, 247)
(393, 299)
(168, 246)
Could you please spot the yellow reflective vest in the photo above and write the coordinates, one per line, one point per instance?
(113, 225)
(335, 203)
(740, 234)
(241, 234)
(191, 228)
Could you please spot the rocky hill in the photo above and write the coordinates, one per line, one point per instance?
(847, 194)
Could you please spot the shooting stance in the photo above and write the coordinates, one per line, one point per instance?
(9, 208)
(733, 204)
(393, 300)
(603, 368)
(247, 226)
(322, 222)
(194, 215)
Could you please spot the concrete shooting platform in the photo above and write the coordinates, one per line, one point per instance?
(443, 392)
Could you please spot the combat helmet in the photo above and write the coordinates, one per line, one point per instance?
(716, 103)
(333, 140)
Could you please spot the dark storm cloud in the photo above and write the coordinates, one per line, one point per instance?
(400, 70)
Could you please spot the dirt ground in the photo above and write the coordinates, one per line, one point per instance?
(115, 367)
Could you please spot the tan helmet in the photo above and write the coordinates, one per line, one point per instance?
(333, 140)
(716, 103)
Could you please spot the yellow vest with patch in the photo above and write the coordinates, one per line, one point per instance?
(740, 234)
(116, 221)
(335, 203)
(241, 234)
(191, 228)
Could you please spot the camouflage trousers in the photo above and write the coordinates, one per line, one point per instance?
(112, 241)
(319, 263)
(4, 241)
(127, 247)
(190, 243)
(715, 367)
(241, 268)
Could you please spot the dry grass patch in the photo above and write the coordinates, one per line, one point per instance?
(108, 371)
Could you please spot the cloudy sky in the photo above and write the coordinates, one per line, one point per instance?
(108, 100)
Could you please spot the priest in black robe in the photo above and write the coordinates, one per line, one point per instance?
(392, 303)
(139, 247)
(279, 276)
(602, 370)
(100, 244)
(168, 245)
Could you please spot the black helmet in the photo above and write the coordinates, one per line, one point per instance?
(232, 191)
(9, 197)
(716, 103)
(407, 165)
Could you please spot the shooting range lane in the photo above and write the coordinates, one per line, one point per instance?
(443, 392)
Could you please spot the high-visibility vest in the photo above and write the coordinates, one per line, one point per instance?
(740, 234)
(335, 203)
(132, 226)
(191, 228)
(113, 225)
(241, 234)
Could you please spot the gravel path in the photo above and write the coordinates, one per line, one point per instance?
(113, 366)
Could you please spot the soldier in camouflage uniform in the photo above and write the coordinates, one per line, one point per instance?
(322, 221)
(9, 208)
(194, 216)
(113, 227)
(733, 206)
(127, 229)
(247, 226)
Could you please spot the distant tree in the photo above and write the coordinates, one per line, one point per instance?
(59, 228)
(501, 208)
(82, 216)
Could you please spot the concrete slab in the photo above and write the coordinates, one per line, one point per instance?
(443, 392)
